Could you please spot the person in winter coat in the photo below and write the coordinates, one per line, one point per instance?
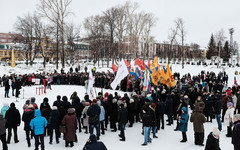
(66, 104)
(184, 124)
(4, 109)
(73, 96)
(58, 102)
(28, 115)
(3, 132)
(147, 121)
(33, 102)
(236, 132)
(208, 110)
(113, 115)
(217, 110)
(198, 120)
(169, 109)
(101, 117)
(93, 112)
(122, 119)
(78, 109)
(160, 113)
(224, 105)
(70, 121)
(53, 124)
(7, 87)
(228, 119)
(93, 144)
(152, 112)
(179, 110)
(13, 120)
(86, 117)
(213, 140)
(130, 107)
(45, 111)
(37, 125)
(136, 106)
(199, 103)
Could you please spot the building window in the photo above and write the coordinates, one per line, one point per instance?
(4, 35)
(3, 40)
(5, 53)
(1, 53)
(10, 36)
(9, 41)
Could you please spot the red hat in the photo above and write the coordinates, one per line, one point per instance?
(94, 101)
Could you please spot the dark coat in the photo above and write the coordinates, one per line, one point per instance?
(198, 119)
(122, 116)
(169, 105)
(94, 145)
(26, 118)
(45, 110)
(161, 108)
(218, 106)
(208, 111)
(146, 120)
(236, 134)
(54, 119)
(78, 108)
(7, 86)
(113, 113)
(13, 117)
(70, 120)
(94, 111)
(2, 125)
(212, 143)
(130, 112)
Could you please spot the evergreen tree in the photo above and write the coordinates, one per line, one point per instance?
(212, 49)
(226, 51)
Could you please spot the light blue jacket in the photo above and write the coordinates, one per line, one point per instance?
(4, 110)
(38, 123)
(102, 114)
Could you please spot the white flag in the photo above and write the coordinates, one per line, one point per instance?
(121, 74)
(90, 85)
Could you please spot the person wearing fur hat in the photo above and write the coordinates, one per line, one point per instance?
(198, 119)
(53, 124)
(93, 144)
(93, 112)
(236, 132)
(113, 115)
(213, 140)
(70, 121)
(28, 115)
(228, 119)
(13, 119)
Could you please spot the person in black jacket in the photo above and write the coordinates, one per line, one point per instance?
(122, 118)
(236, 132)
(78, 110)
(169, 109)
(217, 110)
(45, 111)
(93, 144)
(213, 140)
(113, 115)
(160, 113)
(7, 87)
(3, 132)
(93, 112)
(58, 102)
(130, 107)
(66, 104)
(28, 115)
(147, 122)
(13, 120)
(53, 124)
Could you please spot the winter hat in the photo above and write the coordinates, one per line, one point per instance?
(45, 100)
(230, 104)
(114, 100)
(27, 102)
(12, 105)
(54, 108)
(237, 116)
(87, 104)
(93, 138)
(131, 101)
(33, 99)
(94, 101)
(106, 94)
(153, 105)
(70, 111)
(216, 131)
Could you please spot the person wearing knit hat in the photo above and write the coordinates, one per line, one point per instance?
(236, 132)
(70, 121)
(53, 124)
(94, 101)
(228, 119)
(213, 140)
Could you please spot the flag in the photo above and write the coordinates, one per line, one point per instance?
(127, 63)
(140, 63)
(134, 74)
(170, 78)
(114, 68)
(155, 76)
(121, 74)
(90, 85)
(148, 64)
(154, 63)
(147, 83)
(139, 73)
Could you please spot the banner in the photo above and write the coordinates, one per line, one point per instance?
(90, 86)
(121, 74)
(114, 68)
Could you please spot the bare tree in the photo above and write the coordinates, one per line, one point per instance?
(173, 39)
(182, 34)
(56, 11)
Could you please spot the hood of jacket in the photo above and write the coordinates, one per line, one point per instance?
(37, 113)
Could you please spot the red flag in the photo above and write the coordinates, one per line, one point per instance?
(127, 63)
(142, 65)
(137, 62)
(128, 86)
(114, 68)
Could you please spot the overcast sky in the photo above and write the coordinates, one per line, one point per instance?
(201, 17)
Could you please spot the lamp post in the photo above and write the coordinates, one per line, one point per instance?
(13, 57)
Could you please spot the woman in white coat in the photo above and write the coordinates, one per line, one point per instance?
(228, 119)
(86, 117)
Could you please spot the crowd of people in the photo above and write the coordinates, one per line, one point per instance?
(206, 95)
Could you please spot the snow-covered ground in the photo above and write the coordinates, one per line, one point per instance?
(167, 138)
